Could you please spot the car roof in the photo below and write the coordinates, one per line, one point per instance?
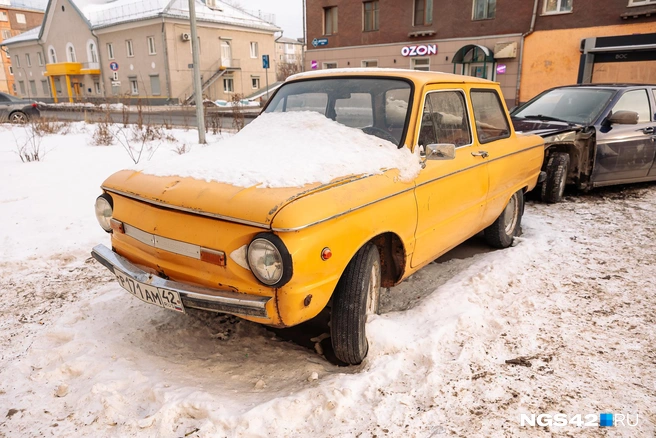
(417, 76)
(614, 86)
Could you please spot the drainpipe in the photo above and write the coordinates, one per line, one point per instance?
(167, 67)
(521, 50)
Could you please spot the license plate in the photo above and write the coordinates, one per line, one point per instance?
(158, 296)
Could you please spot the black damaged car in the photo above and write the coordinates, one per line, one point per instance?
(595, 135)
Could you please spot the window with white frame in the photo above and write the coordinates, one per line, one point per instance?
(484, 9)
(372, 63)
(134, 86)
(129, 48)
(17, 60)
(20, 19)
(255, 82)
(21, 84)
(329, 65)
(641, 2)
(39, 57)
(33, 88)
(28, 60)
(96, 86)
(254, 51)
(228, 85)
(3, 16)
(110, 51)
(422, 64)
(11, 71)
(6, 34)
(155, 87)
(370, 15)
(52, 55)
(557, 6)
(45, 87)
(92, 53)
(330, 20)
(423, 13)
(70, 53)
(152, 50)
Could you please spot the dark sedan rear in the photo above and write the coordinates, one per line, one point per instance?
(15, 110)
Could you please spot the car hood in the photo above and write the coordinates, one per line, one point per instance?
(543, 128)
(253, 205)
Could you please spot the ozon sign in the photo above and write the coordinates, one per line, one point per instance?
(422, 50)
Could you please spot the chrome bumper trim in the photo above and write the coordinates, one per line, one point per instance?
(197, 297)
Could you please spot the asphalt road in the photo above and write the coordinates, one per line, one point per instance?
(173, 118)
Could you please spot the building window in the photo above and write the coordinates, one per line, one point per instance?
(255, 82)
(330, 20)
(254, 50)
(423, 12)
(485, 9)
(641, 2)
(6, 34)
(17, 58)
(155, 86)
(45, 87)
(92, 53)
(39, 57)
(329, 65)
(20, 19)
(151, 46)
(52, 54)
(21, 84)
(70, 53)
(110, 51)
(369, 63)
(28, 60)
(422, 64)
(3, 16)
(129, 49)
(228, 85)
(96, 86)
(134, 86)
(33, 88)
(557, 6)
(58, 85)
(370, 16)
(11, 72)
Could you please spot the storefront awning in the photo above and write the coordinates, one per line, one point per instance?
(473, 53)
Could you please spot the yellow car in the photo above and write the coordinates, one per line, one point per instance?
(427, 161)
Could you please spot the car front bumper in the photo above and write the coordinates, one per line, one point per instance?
(197, 297)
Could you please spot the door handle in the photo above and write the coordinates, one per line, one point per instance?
(483, 154)
(649, 130)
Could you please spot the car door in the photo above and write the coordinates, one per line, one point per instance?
(626, 152)
(4, 107)
(450, 194)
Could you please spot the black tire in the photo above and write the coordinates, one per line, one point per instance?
(357, 294)
(554, 186)
(18, 117)
(508, 225)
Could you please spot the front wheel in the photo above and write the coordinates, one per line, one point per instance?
(356, 296)
(554, 186)
(18, 117)
(502, 232)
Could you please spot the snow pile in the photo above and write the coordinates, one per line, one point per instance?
(290, 150)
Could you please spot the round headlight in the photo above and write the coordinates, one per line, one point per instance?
(269, 260)
(104, 211)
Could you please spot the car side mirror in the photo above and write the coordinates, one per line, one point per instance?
(440, 151)
(623, 118)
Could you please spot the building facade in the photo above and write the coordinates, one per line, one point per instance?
(289, 54)
(142, 51)
(525, 46)
(13, 21)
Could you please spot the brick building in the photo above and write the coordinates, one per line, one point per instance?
(13, 21)
(507, 41)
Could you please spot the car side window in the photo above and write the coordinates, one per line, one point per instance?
(491, 120)
(635, 100)
(445, 120)
(3, 98)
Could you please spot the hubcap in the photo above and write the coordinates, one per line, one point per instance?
(563, 181)
(18, 118)
(374, 290)
(510, 215)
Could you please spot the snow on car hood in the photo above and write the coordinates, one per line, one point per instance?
(289, 150)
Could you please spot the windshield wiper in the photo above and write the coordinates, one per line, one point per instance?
(553, 119)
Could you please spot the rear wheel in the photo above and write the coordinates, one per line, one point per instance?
(356, 296)
(18, 117)
(554, 186)
(502, 232)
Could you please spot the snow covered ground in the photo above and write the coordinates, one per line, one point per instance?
(572, 306)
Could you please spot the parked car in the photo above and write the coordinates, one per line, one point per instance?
(595, 135)
(279, 255)
(17, 110)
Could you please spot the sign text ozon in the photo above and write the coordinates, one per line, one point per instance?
(421, 50)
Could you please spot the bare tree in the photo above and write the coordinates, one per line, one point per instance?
(286, 69)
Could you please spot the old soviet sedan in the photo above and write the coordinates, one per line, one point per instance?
(207, 231)
(595, 135)
(17, 110)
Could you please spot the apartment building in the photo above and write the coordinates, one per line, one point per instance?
(141, 50)
(13, 21)
(526, 46)
(289, 54)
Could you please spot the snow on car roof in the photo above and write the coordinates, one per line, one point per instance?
(427, 76)
(306, 147)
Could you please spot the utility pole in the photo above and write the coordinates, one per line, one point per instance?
(198, 91)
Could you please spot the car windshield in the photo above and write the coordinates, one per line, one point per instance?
(378, 106)
(573, 105)
(8, 98)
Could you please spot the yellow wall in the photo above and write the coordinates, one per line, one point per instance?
(551, 57)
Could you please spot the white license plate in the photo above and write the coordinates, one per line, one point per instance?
(168, 299)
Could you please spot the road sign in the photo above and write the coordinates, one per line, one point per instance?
(113, 66)
(320, 42)
(116, 83)
(315, 65)
(265, 61)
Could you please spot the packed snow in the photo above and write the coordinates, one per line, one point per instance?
(561, 322)
(290, 150)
